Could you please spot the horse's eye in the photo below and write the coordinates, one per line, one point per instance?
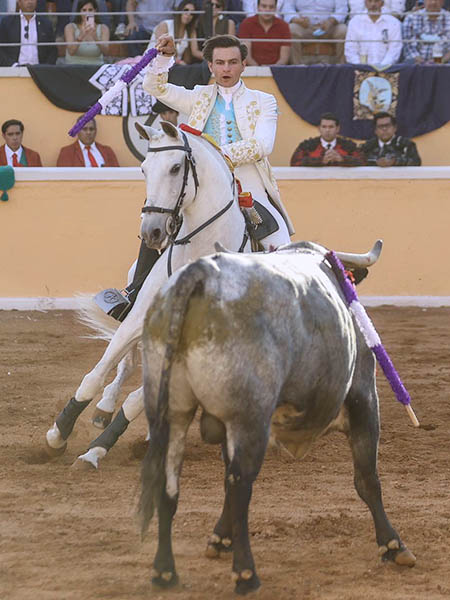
(175, 169)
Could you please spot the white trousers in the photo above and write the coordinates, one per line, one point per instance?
(251, 182)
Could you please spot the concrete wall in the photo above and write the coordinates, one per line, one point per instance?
(47, 126)
(66, 230)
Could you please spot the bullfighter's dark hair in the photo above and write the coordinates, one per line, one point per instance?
(383, 115)
(223, 41)
(329, 116)
(7, 124)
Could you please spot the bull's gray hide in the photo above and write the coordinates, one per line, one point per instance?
(255, 340)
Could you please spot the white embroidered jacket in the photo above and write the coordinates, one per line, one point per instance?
(256, 117)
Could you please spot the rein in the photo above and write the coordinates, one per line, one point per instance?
(175, 221)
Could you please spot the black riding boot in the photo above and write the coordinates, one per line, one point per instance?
(118, 304)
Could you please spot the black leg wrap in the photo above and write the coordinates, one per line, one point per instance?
(111, 434)
(65, 421)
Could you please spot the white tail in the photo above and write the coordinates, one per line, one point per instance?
(91, 315)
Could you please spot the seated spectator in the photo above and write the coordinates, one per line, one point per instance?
(26, 30)
(327, 150)
(221, 24)
(12, 152)
(428, 30)
(418, 4)
(268, 27)
(181, 28)
(87, 37)
(141, 26)
(387, 149)
(165, 112)
(396, 8)
(86, 152)
(316, 20)
(373, 37)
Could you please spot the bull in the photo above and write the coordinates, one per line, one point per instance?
(264, 345)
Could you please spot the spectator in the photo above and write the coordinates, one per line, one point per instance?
(268, 27)
(395, 8)
(387, 149)
(141, 26)
(86, 152)
(418, 4)
(12, 152)
(165, 112)
(87, 37)
(427, 34)
(373, 37)
(221, 25)
(26, 29)
(327, 150)
(181, 28)
(319, 20)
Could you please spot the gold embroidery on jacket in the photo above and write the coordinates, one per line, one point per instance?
(253, 113)
(161, 83)
(198, 113)
(242, 152)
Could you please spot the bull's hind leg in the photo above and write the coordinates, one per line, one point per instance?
(363, 436)
(221, 539)
(246, 448)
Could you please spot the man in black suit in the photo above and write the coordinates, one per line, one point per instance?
(26, 29)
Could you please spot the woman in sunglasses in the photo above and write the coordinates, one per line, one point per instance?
(87, 38)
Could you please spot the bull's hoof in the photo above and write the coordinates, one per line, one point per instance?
(54, 452)
(217, 545)
(101, 419)
(398, 553)
(246, 581)
(165, 579)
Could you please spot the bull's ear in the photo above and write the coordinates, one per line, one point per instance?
(145, 131)
(169, 129)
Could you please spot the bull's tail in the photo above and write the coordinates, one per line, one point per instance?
(153, 473)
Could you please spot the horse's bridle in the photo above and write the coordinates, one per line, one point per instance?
(175, 221)
(189, 163)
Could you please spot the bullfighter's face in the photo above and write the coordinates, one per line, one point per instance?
(227, 66)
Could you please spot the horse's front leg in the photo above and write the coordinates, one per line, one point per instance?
(105, 407)
(131, 408)
(125, 337)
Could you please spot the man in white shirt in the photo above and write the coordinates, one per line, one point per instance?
(374, 37)
(396, 8)
(316, 20)
(26, 29)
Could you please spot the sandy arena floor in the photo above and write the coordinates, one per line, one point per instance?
(71, 535)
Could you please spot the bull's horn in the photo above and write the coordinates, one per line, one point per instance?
(361, 260)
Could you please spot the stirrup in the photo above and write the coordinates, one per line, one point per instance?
(114, 303)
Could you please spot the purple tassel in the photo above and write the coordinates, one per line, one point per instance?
(127, 78)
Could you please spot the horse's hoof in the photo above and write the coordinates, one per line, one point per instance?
(54, 452)
(101, 418)
(165, 580)
(247, 581)
(83, 465)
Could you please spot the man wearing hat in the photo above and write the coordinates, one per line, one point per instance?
(12, 152)
(165, 112)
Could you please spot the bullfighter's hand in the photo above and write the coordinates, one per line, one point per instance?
(165, 45)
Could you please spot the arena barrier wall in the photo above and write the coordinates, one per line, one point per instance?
(65, 231)
(46, 125)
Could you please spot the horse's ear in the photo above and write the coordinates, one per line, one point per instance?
(145, 131)
(169, 129)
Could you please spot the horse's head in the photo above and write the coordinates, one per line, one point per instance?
(172, 183)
